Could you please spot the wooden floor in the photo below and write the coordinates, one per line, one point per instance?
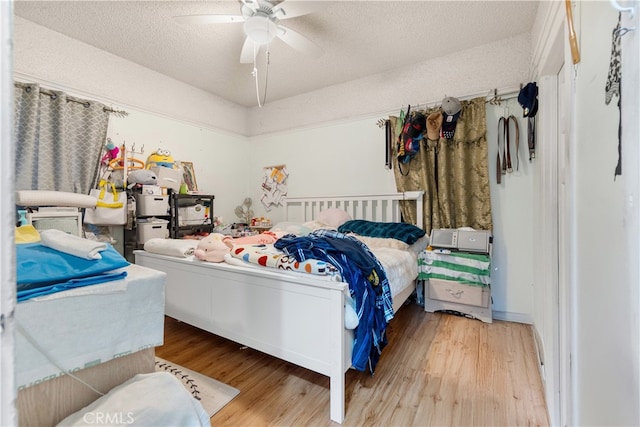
(438, 370)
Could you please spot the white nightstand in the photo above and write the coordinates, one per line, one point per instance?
(456, 281)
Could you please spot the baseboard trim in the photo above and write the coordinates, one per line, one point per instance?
(513, 317)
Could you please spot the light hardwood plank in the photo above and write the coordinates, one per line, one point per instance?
(438, 369)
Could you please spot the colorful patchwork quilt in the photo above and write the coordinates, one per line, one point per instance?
(267, 255)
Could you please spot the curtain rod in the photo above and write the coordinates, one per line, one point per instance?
(493, 97)
(86, 103)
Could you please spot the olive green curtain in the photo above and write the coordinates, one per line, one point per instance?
(453, 173)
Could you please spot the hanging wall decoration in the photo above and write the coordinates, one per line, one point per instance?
(612, 88)
(189, 176)
(273, 186)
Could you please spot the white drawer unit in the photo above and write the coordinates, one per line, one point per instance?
(448, 290)
(456, 282)
(68, 219)
(470, 300)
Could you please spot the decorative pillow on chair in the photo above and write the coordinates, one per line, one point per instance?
(333, 216)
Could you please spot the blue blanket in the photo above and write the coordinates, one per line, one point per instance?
(368, 286)
(40, 267)
(26, 294)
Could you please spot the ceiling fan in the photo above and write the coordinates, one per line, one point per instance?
(262, 24)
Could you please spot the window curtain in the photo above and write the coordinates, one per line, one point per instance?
(59, 139)
(453, 173)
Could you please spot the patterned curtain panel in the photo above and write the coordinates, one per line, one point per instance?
(59, 140)
(453, 173)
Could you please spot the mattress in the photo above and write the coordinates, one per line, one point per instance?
(401, 267)
(84, 327)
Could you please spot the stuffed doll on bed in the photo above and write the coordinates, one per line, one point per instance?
(215, 246)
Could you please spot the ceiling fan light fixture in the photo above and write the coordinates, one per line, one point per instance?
(260, 29)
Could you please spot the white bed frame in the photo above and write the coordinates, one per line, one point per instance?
(297, 319)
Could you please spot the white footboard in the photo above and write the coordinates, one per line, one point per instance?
(300, 320)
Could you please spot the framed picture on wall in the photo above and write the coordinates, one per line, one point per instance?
(189, 176)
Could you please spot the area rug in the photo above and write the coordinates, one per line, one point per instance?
(212, 394)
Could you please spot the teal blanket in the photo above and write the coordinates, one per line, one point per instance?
(404, 232)
(41, 267)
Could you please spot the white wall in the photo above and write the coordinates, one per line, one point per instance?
(50, 57)
(356, 149)
(512, 214)
(595, 380)
(357, 166)
(606, 306)
(505, 63)
(220, 159)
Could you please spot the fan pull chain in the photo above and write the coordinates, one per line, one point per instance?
(266, 77)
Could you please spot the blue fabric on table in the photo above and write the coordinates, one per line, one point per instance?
(402, 231)
(39, 266)
(26, 294)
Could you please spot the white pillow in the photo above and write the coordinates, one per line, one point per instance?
(382, 242)
(291, 228)
(54, 198)
(333, 216)
(317, 225)
(154, 399)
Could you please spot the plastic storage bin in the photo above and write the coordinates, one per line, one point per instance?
(152, 204)
(151, 228)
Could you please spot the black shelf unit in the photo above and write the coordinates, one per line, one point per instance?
(177, 201)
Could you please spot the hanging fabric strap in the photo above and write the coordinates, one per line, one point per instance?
(401, 152)
(507, 145)
(531, 136)
(516, 128)
(501, 166)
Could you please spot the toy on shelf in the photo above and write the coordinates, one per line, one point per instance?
(244, 211)
(141, 177)
(111, 153)
(161, 158)
(260, 224)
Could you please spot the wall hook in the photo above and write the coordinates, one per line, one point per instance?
(622, 31)
(630, 10)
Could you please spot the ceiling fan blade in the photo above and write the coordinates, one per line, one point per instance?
(299, 42)
(290, 9)
(249, 51)
(208, 19)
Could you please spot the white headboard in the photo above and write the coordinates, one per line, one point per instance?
(374, 207)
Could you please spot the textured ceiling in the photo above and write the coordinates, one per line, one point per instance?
(359, 38)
